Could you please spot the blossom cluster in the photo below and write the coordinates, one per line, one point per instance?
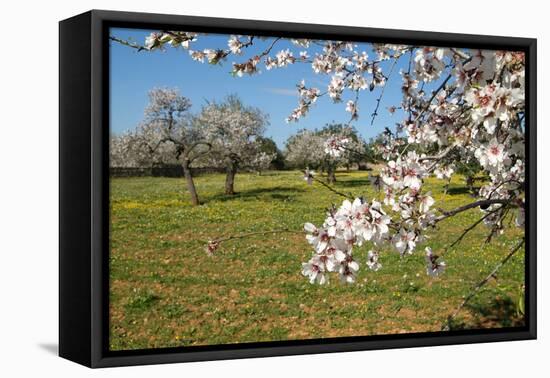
(336, 145)
(308, 97)
(352, 224)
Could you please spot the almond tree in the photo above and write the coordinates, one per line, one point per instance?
(171, 125)
(233, 131)
(141, 148)
(333, 146)
(305, 149)
(126, 153)
(261, 161)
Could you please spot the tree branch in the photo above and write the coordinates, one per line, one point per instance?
(196, 144)
(471, 227)
(133, 45)
(472, 205)
(213, 244)
(347, 196)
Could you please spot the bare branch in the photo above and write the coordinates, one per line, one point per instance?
(133, 45)
(471, 227)
(375, 113)
(213, 244)
(472, 205)
(348, 196)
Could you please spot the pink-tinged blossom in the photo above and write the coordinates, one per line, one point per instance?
(335, 146)
(372, 261)
(351, 107)
(444, 173)
(404, 241)
(352, 224)
(153, 40)
(429, 63)
(235, 45)
(197, 55)
(318, 238)
(492, 155)
(335, 88)
(348, 270)
(314, 270)
(434, 267)
(426, 202)
(357, 82)
(284, 58)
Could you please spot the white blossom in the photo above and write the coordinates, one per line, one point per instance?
(335, 145)
(492, 155)
(315, 271)
(372, 261)
(351, 106)
(433, 266)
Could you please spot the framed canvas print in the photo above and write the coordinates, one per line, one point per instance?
(235, 188)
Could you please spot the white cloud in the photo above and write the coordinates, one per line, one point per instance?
(282, 91)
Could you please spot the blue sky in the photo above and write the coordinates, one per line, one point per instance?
(134, 73)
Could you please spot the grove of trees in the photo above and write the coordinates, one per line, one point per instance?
(225, 135)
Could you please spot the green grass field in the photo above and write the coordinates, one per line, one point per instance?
(165, 291)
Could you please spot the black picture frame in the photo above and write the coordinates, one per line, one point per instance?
(84, 189)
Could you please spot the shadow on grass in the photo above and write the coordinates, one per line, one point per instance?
(278, 193)
(501, 312)
(352, 183)
(458, 190)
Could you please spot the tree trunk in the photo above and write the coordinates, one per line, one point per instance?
(331, 171)
(231, 171)
(362, 166)
(190, 184)
(470, 184)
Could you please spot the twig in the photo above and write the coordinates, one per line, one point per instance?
(347, 196)
(471, 227)
(268, 50)
(254, 233)
(481, 283)
(213, 244)
(129, 44)
(375, 113)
